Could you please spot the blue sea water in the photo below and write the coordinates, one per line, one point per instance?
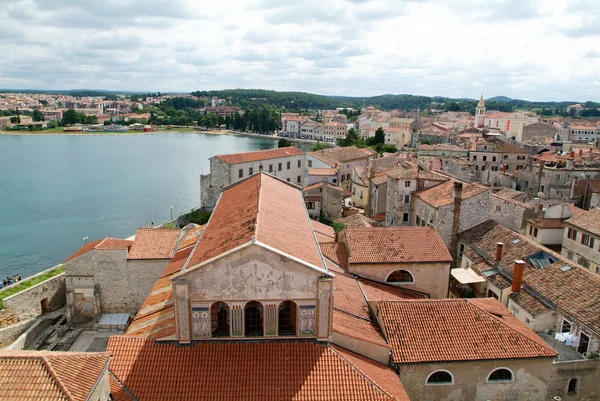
(57, 189)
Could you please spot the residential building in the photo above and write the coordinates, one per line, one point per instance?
(244, 292)
(451, 208)
(510, 209)
(287, 163)
(583, 133)
(343, 159)
(540, 133)
(581, 239)
(548, 228)
(441, 151)
(509, 124)
(291, 125)
(316, 175)
(114, 275)
(310, 129)
(334, 130)
(324, 200)
(48, 375)
(496, 155)
(413, 258)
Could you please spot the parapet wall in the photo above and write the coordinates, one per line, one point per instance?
(50, 293)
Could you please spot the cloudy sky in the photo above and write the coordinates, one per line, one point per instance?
(536, 50)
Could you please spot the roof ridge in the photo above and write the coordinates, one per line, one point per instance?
(54, 375)
(363, 374)
(498, 319)
(100, 243)
(258, 204)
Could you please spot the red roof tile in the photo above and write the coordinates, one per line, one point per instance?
(588, 221)
(434, 331)
(154, 243)
(395, 245)
(261, 208)
(322, 171)
(45, 375)
(443, 194)
(324, 229)
(102, 244)
(336, 252)
(335, 156)
(260, 155)
(229, 371)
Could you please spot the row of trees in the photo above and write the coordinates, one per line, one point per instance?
(376, 142)
(72, 116)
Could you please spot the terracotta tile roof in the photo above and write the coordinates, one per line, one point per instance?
(322, 171)
(260, 208)
(530, 303)
(434, 331)
(260, 155)
(547, 223)
(572, 288)
(228, 371)
(574, 209)
(154, 243)
(395, 245)
(358, 328)
(335, 156)
(45, 375)
(499, 281)
(443, 194)
(356, 220)
(324, 229)
(509, 193)
(336, 252)
(508, 148)
(588, 221)
(103, 244)
(191, 237)
(497, 115)
(377, 292)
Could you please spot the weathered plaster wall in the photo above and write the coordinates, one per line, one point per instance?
(370, 350)
(587, 374)
(474, 211)
(431, 278)
(29, 302)
(532, 377)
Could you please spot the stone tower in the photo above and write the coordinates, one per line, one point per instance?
(479, 113)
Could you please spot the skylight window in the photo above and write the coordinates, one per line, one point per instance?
(516, 241)
(565, 268)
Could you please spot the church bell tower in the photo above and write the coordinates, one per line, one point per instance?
(479, 113)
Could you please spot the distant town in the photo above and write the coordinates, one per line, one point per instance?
(448, 250)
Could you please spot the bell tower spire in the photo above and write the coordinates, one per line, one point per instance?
(480, 113)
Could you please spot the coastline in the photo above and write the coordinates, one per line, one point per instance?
(158, 132)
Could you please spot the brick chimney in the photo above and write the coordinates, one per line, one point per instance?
(499, 246)
(518, 275)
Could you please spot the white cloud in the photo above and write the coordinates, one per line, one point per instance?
(529, 49)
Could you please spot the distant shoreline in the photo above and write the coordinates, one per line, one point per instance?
(158, 132)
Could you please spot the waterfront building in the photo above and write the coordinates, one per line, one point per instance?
(286, 163)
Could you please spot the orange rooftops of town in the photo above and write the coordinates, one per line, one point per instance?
(221, 371)
(263, 209)
(104, 244)
(416, 330)
(258, 155)
(443, 194)
(395, 245)
(46, 375)
(154, 243)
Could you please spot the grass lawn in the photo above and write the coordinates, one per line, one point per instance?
(29, 282)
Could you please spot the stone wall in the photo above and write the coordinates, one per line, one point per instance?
(531, 380)
(511, 214)
(587, 374)
(211, 184)
(29, 301)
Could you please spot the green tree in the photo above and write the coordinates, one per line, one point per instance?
(320, 146)
(38, 115)
(14, 120)
(284, 143)
(70, 117)
(379, 138)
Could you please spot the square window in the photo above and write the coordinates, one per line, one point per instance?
(310, 163)
(407, 184)
(572, 234)
(288, 180)
(250, 170)
(484, 158)
(241, 173)
(279, 166)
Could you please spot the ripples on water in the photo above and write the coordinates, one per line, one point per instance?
(55, 190)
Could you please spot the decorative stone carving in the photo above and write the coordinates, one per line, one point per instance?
(270, 322)
(201, 322)
(307, 320)
(237, 320)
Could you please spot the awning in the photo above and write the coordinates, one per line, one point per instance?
(466, 276)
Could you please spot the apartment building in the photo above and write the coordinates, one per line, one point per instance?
(581, 240)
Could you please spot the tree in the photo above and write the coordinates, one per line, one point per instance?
(350, 139)
(14, 120)
(38, 115)
(379, 138)
(284, 143)
(319, 146)
(70, 117)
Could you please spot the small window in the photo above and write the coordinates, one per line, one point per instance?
(584, 262)
(310, 205)
(279, 166)
(572, 388)
(565, 327)
(587, 240)
(270, 168)
(570, 255)
(498, 208)
(310, 163)
(405, 217)
(505, 157)
(407, 184)
(335, 180)
(406, 198)
(299, 163)
(288, 180)
(501, 375)
(289, 165)
(474, 157)
(572, 234)
(493, 158)
(250, 170)
(241, 173)
(287, 318)
(253, 319)
(299, 179)
(220, 319)
(484, 158)
(439, 377)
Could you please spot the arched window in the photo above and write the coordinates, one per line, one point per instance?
(400, 276)
(440, 377)
(219, 313)
(500, 376)
(572, 389)
(253, 319)
(287, 318)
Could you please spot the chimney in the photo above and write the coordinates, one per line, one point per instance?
(580, 152)
(572, 154)
(518, 275)
(499, 246)
(458, 187)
